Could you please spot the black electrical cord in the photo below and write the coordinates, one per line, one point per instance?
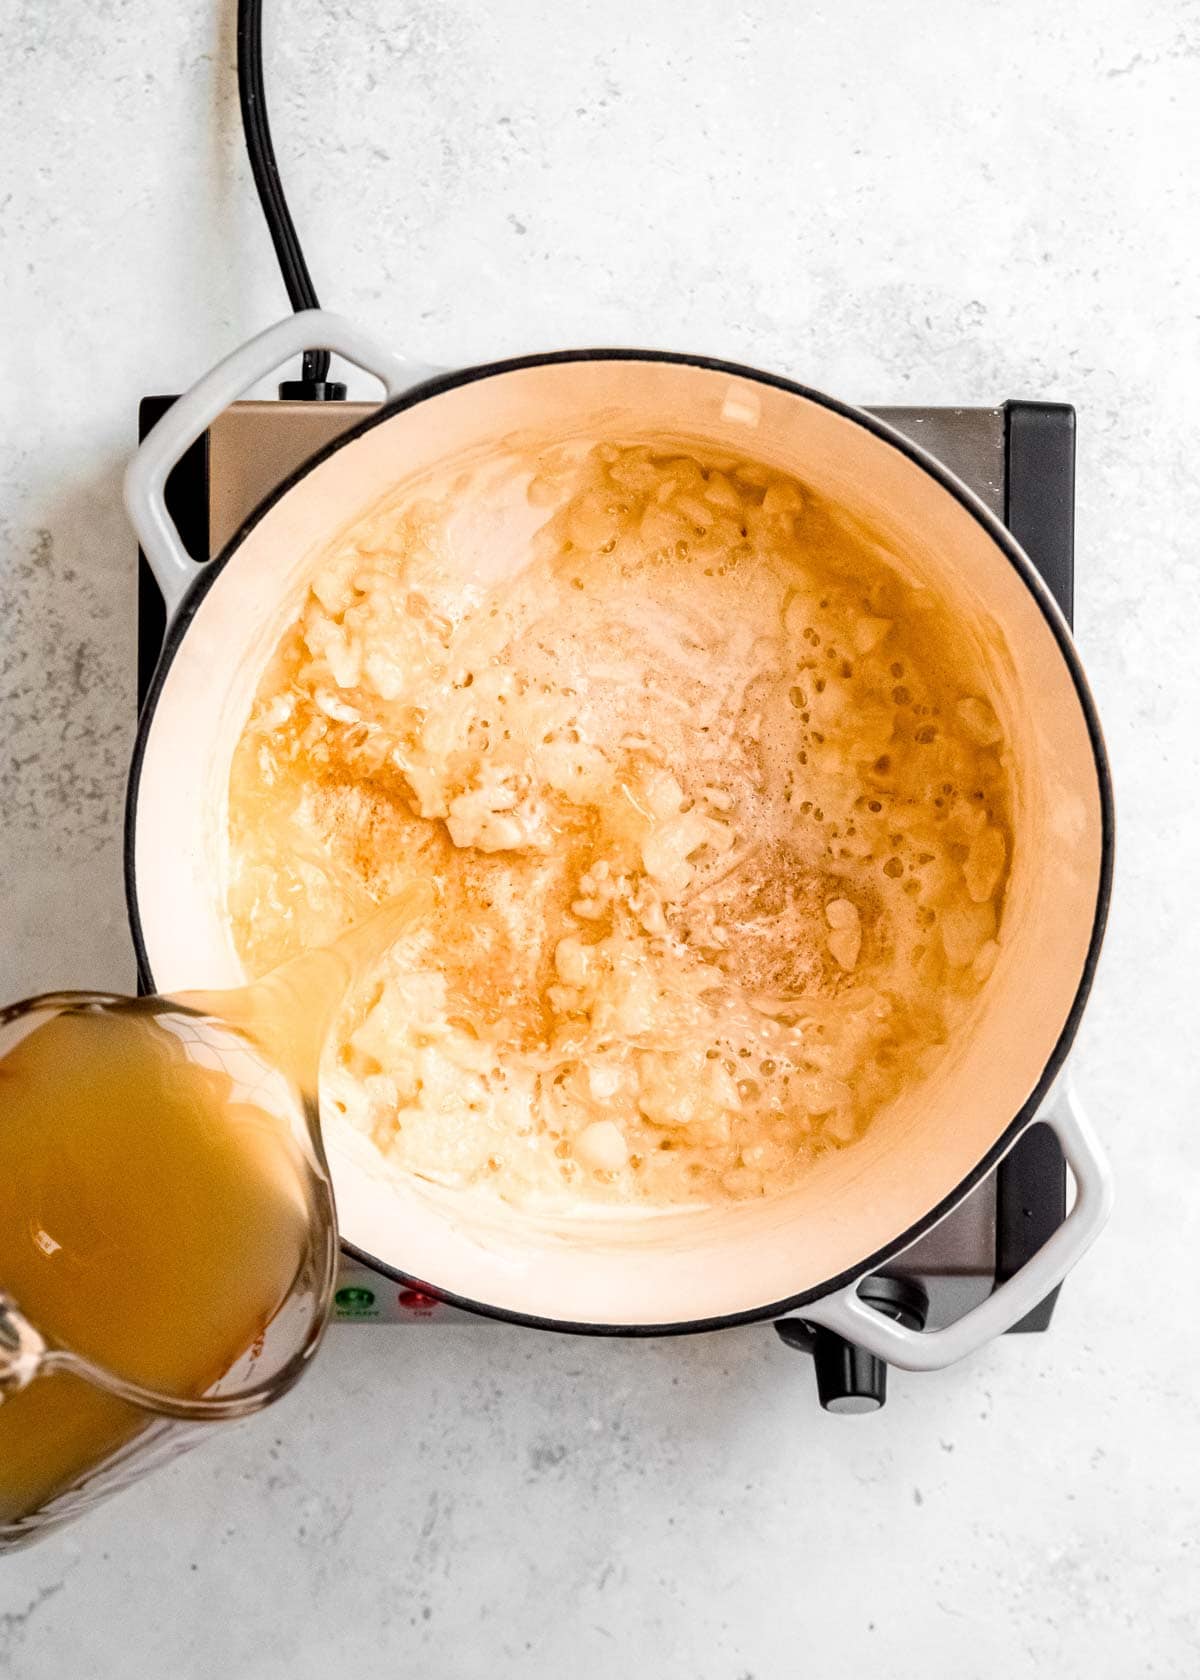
(314, 384)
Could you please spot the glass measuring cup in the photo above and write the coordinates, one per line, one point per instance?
(168, 1239)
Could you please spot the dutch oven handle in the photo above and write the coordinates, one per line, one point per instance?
(191, 415)
(915, 1350)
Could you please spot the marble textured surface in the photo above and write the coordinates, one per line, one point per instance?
(955, 201)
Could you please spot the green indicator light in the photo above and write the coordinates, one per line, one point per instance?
(355, 1297)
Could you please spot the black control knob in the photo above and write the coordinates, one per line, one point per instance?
(848, 1378)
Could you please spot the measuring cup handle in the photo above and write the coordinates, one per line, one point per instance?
(191, 415)
(22, 1348)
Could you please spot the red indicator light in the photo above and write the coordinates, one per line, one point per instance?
(415, 1301)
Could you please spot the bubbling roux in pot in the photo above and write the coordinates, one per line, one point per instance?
(717, 804)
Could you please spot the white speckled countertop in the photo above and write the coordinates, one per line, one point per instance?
(950, 202)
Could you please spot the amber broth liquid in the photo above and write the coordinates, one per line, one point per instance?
(152, 1219)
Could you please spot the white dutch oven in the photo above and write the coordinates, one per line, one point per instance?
(631, 1273)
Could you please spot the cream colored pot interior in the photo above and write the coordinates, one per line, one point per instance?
(676, 1267)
